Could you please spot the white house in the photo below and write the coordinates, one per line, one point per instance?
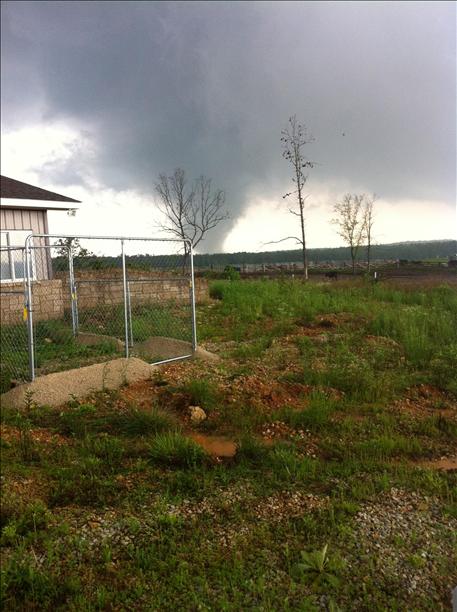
(23, 210)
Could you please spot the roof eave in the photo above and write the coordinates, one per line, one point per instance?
(37, 204)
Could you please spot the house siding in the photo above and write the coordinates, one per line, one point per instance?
(22, 219)
(37, 222)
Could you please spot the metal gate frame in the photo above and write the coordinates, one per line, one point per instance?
(29, 263)
(27, 292)
(126, 290)
(23, 284)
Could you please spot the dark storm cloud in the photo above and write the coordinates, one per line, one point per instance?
(208, 86)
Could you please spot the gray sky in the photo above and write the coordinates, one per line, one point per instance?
(145, 87)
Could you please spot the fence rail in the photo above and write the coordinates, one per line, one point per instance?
(66, 310)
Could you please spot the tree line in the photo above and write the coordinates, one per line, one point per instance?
(408, 251)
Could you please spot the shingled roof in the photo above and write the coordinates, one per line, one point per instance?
(10, 188)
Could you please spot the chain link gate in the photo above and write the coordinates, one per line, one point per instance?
(113, 297)
(160, 301)
(14, 352)
(51, 319)
(66, 306)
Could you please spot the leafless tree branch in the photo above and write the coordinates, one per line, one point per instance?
(298, 240)
(368, 222)
(190, 210)
(294, 138)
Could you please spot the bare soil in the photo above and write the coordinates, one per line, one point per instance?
(216, 446)
(446, 464)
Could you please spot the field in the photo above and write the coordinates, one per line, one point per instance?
(323, 478)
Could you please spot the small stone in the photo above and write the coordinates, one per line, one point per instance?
(197, 414)
(322, 339)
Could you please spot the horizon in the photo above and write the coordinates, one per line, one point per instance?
(373, 246)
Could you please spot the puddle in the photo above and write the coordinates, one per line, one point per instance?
(215, 445)
(446, 464)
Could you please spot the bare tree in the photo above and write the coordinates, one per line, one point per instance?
(190, 210)
(350, 220)
(294, 138)
(368, 222)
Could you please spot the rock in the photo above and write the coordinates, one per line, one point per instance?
(205, 355)
(48, 340)
(197, 414)
(322, 339)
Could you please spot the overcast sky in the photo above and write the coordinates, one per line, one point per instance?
(98, 98)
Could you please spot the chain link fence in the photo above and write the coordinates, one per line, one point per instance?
(89, 299)
(160, 302)
(14, 353)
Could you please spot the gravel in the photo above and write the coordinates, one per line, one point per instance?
(405, 538)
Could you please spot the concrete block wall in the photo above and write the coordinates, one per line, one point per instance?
(52, 297)
(98, 287)
(47, 302)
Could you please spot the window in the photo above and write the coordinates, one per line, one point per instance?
(12, 255)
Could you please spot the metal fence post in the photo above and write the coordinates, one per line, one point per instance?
(130, 313)
(192, 298)
(29, 309)
(124, 279)
(73, 295)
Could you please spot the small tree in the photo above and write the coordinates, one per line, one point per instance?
(368, 222)
(64, 245)
(350, 220)
(294, 138)
(190, 210)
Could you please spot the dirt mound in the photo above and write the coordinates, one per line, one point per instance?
(426, 400)
(89, 339)
(158, 348)
(267, 395)
(56, 389)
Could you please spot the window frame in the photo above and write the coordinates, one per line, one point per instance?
(10, 247)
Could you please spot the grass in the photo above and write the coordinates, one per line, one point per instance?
(174, 449)
(201, 392)
(387, 446)
(108, 503)
(316, 416)
(162, 319)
